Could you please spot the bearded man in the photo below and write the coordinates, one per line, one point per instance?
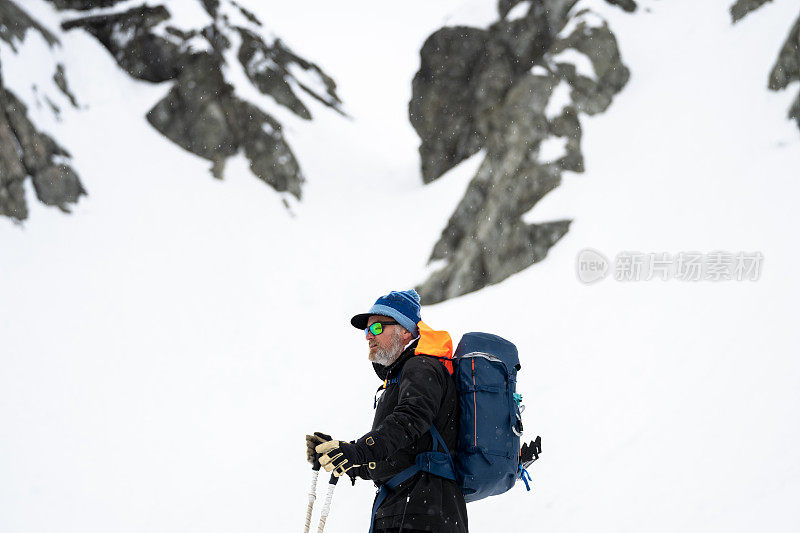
(416, 413)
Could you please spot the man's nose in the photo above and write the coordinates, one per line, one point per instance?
(370, 336)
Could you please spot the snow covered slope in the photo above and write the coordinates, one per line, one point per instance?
(208, 54)
(165, 348)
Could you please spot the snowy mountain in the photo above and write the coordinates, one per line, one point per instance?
(211, 52)
(166, 346)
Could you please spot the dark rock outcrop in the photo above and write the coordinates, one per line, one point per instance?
(741, 8)
(627, 5)
(201, 112)
(446, 118)
(129, 38)
(787, 66)
(787, 69)
(26, 152)
(84, 5)
(60, 79)
(501, 89)
(15, 23)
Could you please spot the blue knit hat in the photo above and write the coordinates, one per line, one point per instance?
(403, 306)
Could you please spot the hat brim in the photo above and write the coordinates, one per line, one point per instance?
(361, 320)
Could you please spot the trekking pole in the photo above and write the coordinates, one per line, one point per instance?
(312, 496)
(326, 509)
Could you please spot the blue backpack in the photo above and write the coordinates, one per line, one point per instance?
(488, 459)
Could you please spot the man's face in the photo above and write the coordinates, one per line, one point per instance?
(384, 348)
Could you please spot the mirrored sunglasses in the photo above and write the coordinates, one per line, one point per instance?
(377, 327)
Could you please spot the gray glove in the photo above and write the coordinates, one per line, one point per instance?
(312, 441)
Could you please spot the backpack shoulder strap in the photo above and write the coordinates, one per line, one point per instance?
(439, 463)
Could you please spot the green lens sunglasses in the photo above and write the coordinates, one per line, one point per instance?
(377, 327)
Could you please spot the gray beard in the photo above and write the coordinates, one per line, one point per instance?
(386, 357)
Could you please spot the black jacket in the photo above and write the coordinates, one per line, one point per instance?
(424, 395)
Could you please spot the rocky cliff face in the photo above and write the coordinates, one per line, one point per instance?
(516, 90)
(741, 8)
(202, 111)
(25, 151)
(786, 69)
